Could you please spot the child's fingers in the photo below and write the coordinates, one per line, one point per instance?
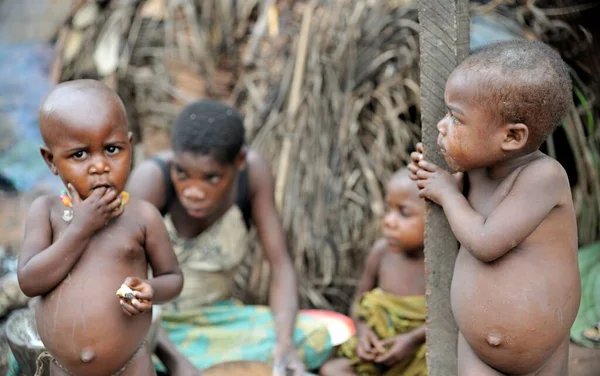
(75, 198)
(423, 174)
(115, 212)
(114, 204)
(128, 308)
(143, 295)
(420, 148)
(109, 196)
(142, 305)
(427, 166)
(416, 156)
(412, 170)
(363, 354)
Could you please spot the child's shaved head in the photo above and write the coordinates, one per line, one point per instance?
(78, 103)
(526, 81)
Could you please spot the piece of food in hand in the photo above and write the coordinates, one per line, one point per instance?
(125, 292)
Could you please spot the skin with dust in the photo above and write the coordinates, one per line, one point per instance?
(77, 266)
(516, 287)
(396, 265)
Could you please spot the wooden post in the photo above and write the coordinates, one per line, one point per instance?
(444, 42)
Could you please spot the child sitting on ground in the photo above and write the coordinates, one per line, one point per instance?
(81, 247)
(389, 308)
(516, 288)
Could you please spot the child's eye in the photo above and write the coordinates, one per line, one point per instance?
(111, 150)
(80, 154)
(214, 179)
(180, 174)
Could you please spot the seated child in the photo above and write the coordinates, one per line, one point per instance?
(389, 308)
(515, 290)
(81, 247)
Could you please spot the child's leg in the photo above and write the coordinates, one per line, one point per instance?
(337, 367)
(469, 363)
(141, 364)
(55, 370)
(558, 364)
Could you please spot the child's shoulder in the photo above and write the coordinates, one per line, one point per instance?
(544, 170)
(43, 203)
(144, 210)
(378, 250)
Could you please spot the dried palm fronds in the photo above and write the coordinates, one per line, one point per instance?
(335, 117)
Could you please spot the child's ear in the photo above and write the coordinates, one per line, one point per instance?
(516, 136)
(240, 160)
(49, 159)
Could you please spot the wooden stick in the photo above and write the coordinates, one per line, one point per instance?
(444, 41)
(293, 104)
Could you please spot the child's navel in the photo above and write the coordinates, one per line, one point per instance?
(494, 339)
(87, 355)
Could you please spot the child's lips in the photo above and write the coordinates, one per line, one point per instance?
(103, 185)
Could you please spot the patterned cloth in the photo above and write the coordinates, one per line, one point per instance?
(228, 331)
(205, 324)
(388, 315)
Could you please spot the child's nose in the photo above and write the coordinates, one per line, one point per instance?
(99, 166)
(194, 193)
(389, 221)
(441, 126)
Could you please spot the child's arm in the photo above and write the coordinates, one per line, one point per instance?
(369, 344)
(43, 264)
(537, 189)
(167, 280)
(368, 278)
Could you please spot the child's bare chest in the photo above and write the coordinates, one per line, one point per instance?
(486, 194)
(121, 240)
(401, 277)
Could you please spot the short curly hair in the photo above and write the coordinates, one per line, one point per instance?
(526, 81)
(209, 128)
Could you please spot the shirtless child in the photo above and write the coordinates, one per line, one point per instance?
(515, 290)
(81, 247)
(389, 309)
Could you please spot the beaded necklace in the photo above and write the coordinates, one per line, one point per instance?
(66, 200)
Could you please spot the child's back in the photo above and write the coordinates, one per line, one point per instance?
(516, 288)
(77, 252)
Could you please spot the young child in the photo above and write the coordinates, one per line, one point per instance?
(389, 309)
(516, 288)
(81, 247)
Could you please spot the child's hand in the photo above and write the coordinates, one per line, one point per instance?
(400, 347)
(97, 210)
(142, 297)
(369, 344)
(416, 157)
(435, 183)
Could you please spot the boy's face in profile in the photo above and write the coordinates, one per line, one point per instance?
(89, 149)
(403, 225)
(470, 135)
